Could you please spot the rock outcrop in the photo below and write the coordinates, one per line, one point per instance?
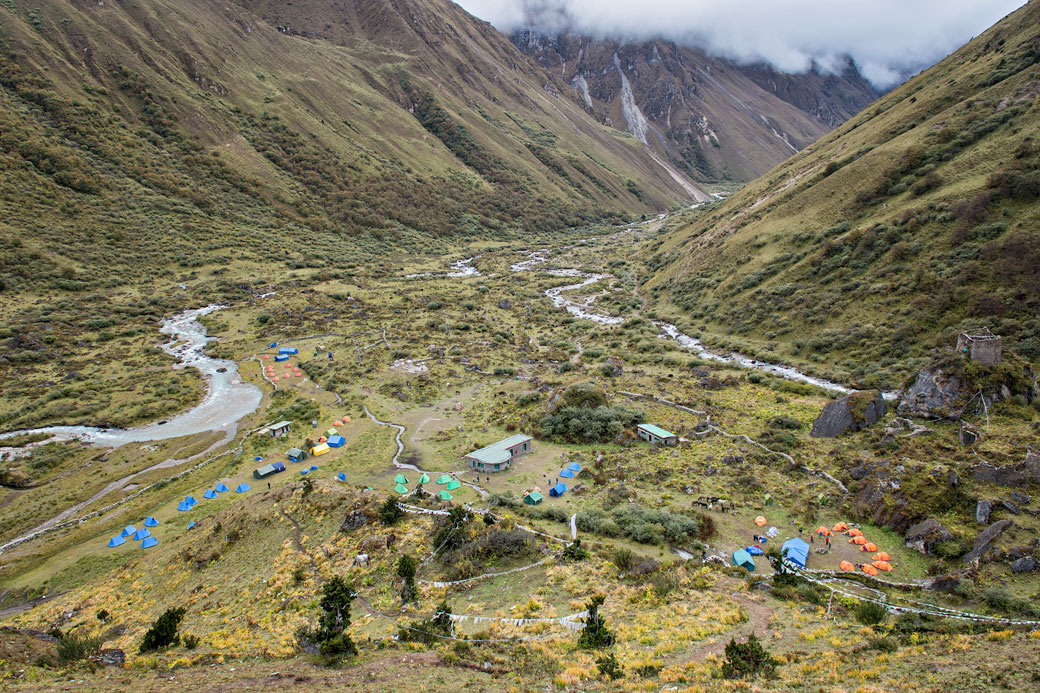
(925, 536)
(1017, 475)
(934, 395)
(982, 510)
(1026, 564)
(850, 413)
(985, 540)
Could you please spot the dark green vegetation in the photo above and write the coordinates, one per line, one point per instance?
(163, 632)
(744, 660)
(915, 219)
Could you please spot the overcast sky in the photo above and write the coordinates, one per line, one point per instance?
(886, 38)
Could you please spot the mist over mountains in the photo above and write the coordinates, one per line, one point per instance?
(888, 39)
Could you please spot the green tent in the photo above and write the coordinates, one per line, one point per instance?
(744, 560)
(533, 498)
(400, 479)
(769, 499)
(453, 484)
(443, 479)
(444, 495)
(424, 479)
(401, 489)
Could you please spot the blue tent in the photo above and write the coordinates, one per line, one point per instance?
(242, 488)
(755, 551)
(796, 551)
(189, 500)
(150, 521)
(272, 345)
(574, 467)
(117, 540)
(142, 533)
(210, 493)
(305, 471)
(566, 473)
(288, 350)
(341, 476)
(221, 488)
(283, 357)
(314, 467)
(743, 559)
(336, 441)
(258, 459)
(557, 490)
(128, 530)
(149, 543)
(191, 525)
(183, 507)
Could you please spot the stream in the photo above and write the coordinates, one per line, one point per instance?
(228, 397)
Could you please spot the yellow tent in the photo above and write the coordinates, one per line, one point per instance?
(320, 449)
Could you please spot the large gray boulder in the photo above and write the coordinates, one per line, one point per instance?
(985, 540)
(1026, 564)
(925, 536)
(850, 413)
(982, 510)
(933, 395)
(1018, 475)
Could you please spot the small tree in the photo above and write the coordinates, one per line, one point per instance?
(575, 552)
(609, 666)
(595, 635)
(102, 615)
(163, 632)
(748, 659)
(406, 567)
(390, 512)
(331, 635)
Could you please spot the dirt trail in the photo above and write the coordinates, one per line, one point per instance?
(298, 539)
(757, 623)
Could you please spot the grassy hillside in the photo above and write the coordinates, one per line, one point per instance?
(160, 155)
(913, 220)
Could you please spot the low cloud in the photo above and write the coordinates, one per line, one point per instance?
(888, 39)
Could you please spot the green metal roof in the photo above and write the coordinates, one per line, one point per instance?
(534, 497)
(656, 430)
(281, 424)
(497, 453)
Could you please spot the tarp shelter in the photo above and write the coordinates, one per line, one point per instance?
(142, 533)
(320, 449)
(400, 479)
(453, 484)
(296, 454)
(117, 540)
(869, 547)
(222, 487)
(760, 521)
(840, 527)
(858, 541)
(401, 488)
(444, 495)
(566, 474)
(742, 559)
(281, 357)
(150, 521)
(882, 556)
(424, 479)
(268, 469)
(149, 543)
(846, 566)
(558, 490)
(869, 569)
(796, 551)
(289, 350)
(210, 493)
(191, 525)
(336, 441)
(533, 498)
(341, 476)
(443, 479)
(242, 488)
(883, 565)
(128, 530)
(754, 551)
(574, 467)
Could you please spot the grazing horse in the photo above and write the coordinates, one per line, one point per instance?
(361, 560)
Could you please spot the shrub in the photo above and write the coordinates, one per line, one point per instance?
(580, 423)
(595, 635)
(406, 567)
(744, 660)
(609, 667)
(163, 632)
(190, 641)
(870, 613)
(528, 398)
(73, 647)
(331, 635)
(390, 512)
(429, 630)
(882, 643)
(623, 557)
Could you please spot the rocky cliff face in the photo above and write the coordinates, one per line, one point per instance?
(717, 120)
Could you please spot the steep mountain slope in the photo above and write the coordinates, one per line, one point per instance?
(916, 218)
(717, 120)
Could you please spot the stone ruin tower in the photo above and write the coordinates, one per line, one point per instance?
(981, 346)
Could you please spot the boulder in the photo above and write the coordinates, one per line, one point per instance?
(1026, 564)
(982, 510)
(354, 519)
(881, 503)
(1011, 475)
(109, 657)
(1019, 497)
(1011, 507)
(850, 413)
(926, 535)
(985, 540)
(953, 479)
(934, 395)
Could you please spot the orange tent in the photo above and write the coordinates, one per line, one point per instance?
(760, 521)
(882, 556)
(337, 423)
(854, 532)
(858, 541)
(869, 547)
(299, 375)
(869, 569)
(346, 419)
(322, 439)
(266, 356)
(840, 527)
(846, 566)
(274, 379)
(288, 365)
(883, 565)
(824, 532)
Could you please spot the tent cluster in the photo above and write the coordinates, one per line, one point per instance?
(143, 535)
(880, 560)
(570, 470)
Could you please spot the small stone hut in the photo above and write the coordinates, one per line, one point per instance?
(981, 346)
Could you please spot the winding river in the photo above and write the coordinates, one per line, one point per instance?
(228, 397)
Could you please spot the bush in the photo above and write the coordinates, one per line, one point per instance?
(163, 632)
(744, 660)
(331, 636)
(870, 613)
(609, 667)
(623, 557)
(73, 647)
(882, 643)
(584, 424)
(190, 641)
(595, 635)
(528, 398)
(389, 512)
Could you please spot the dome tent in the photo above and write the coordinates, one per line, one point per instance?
(150, 521)
(796, 551)
(742, 559)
